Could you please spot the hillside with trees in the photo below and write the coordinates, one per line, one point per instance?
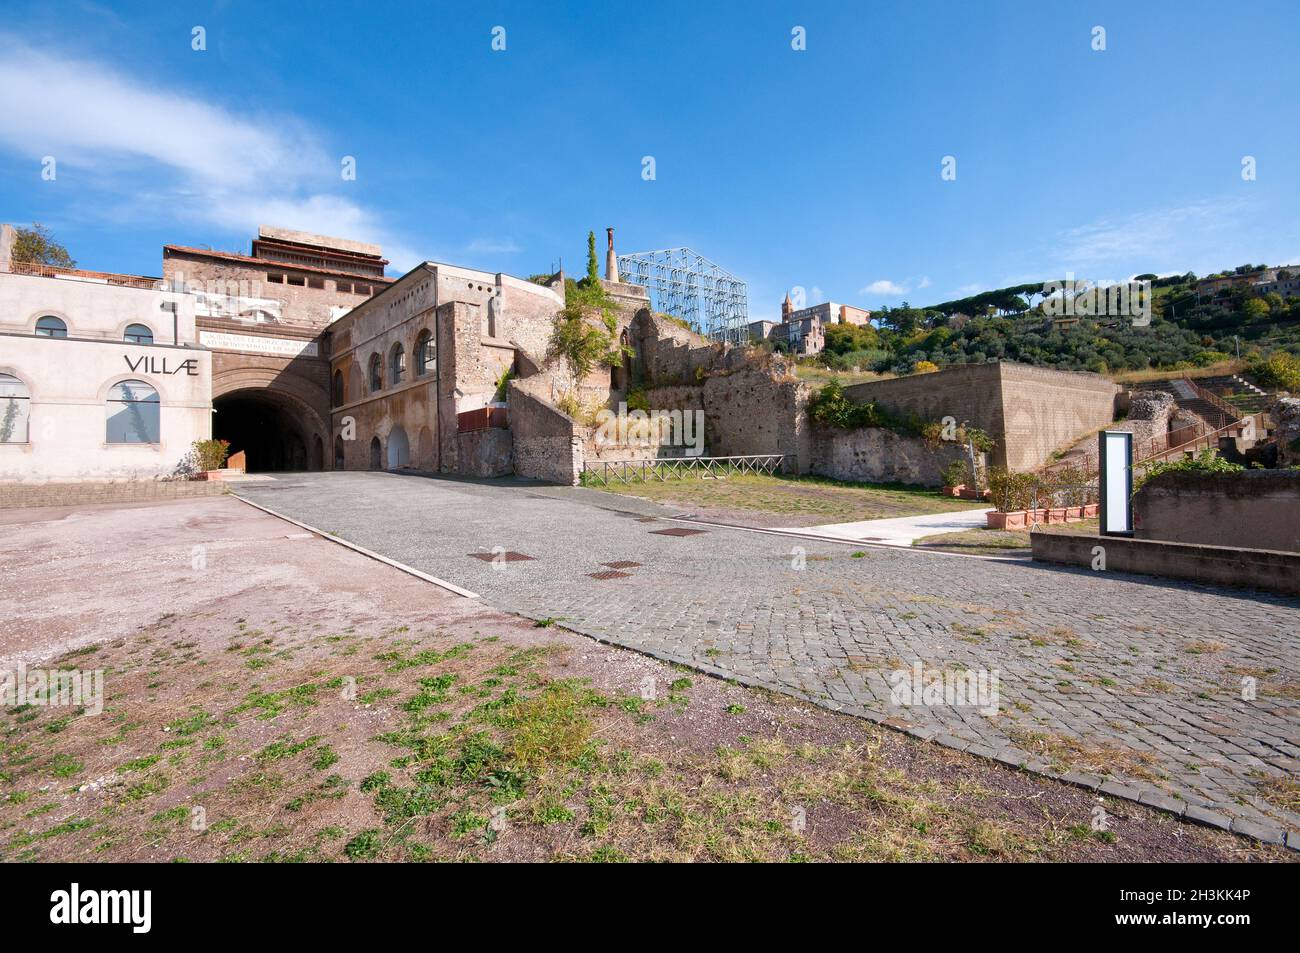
(1187, 331)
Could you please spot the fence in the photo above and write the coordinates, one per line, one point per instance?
(666, 468)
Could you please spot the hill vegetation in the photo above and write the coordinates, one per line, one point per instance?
(1187, 331)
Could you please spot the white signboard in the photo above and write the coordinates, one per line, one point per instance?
(1116, 481)
(261, 344)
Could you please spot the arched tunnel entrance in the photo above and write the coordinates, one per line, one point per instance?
(273, 430)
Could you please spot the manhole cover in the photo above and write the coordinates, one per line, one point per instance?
(621, 564)
(609, 574)
(678, 531)
(510, 557)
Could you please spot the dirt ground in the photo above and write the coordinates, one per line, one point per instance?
(271, 695)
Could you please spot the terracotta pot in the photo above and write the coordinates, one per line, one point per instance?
(1057, 514)
(952, 490)
(1090, 510)
(1016, 519)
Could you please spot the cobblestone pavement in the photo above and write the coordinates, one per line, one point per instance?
(1121, 682)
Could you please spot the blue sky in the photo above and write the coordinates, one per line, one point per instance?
(817, 168)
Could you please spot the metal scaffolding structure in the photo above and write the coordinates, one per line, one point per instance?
(689, 286)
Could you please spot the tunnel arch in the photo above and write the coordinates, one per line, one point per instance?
(276, 417)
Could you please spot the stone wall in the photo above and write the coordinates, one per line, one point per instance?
(1259, 509)
(1029, 411)
(548, 444)
(13, 496)
(1216, 565)
(1286, 430)
(1044, 410)
(758, 408)
(877, 455)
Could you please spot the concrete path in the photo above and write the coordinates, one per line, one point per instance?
(1128, 684)
(899, 530)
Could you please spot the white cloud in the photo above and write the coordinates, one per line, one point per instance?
(1199, 236)
(147, 149)
(883, 286)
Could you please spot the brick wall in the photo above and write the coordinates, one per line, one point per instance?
(13, 495)
(1029, 411)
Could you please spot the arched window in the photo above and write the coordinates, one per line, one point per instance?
(426, 356)
(376, 373)
(339, 392)
(133, 414)
(15, 404)
(138, 334)
(396, 364)
(51, 327)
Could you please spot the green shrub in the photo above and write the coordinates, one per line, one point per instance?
(1207, 461)
(1012, 491)
(211, 454)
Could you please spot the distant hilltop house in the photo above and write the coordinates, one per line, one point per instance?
(1283, 280)
(804, 331)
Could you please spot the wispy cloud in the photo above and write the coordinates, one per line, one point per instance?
(883, 287)
(1199, 235)
(197, 160)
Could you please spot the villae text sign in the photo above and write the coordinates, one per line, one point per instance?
(285, 347)
(148, 364)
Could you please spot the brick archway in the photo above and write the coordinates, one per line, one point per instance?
(277, 417)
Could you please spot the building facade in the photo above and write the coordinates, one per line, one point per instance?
(101, 376)
(266, 318)
(419, 372)
(804, 331)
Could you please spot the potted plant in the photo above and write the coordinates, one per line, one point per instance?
(954, 478)
(1011, 495)
(211, 457)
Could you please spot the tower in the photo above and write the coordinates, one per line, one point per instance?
(787, 308)
(611, 260)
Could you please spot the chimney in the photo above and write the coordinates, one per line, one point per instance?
(7, 238)
(611, 260)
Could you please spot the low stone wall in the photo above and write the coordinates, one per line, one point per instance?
(14, 495)
(877, 455)
(1259, 509)
(547, 442)
(487, 452)
(1217, 565)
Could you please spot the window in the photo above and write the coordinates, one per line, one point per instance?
(376, 373)
(298, 280)
(51, 327)
(343, 286)
(426, 355)
(396, 364)
(133, 415)
(338, 391)
(274, 278)
(315, 282)
(138, 334)
(15, 403)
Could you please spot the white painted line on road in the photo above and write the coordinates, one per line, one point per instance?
(443, 583)
(859, 543)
